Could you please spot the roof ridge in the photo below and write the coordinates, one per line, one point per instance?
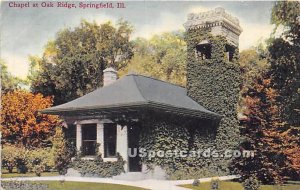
(137, 86)
(139, 75)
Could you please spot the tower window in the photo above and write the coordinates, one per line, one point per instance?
(203, 51)
(229, 52)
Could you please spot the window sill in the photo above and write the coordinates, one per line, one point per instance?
(110, 159)
(93, 158)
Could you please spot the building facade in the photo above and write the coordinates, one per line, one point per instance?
(110, 119)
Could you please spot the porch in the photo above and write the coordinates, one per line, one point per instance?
(102, 136)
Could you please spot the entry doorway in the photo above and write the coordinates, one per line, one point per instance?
(134, 163)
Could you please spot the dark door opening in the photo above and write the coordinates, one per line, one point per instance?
(133, 143)
(110, 140)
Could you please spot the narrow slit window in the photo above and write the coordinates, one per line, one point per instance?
(229, 52)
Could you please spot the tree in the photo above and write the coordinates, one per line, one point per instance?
(162, 57)
(8, 81)
(21, 121)
(265, 134)
(72, 64)
(272, 101)
(286, 14)
(285, 59)
(284, 62)
(252, 65)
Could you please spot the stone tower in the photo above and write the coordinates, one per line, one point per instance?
(218, 22)
(213, 78)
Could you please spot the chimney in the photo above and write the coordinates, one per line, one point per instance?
(109, 76)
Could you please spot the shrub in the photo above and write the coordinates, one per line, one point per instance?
(196, 182)
(62, 151)
(13, 156)
(215, 184)
(251, 183)
(99, 168)
(25, 160)
(42, 157)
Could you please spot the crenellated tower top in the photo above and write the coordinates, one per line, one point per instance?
(219, 21)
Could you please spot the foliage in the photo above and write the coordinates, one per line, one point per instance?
(10, 156)
(266, 135)
(164, 132)
(196, 182)
(252, 64)
(159, 135)
(215, 84)
(286, 14)
(40, 159)
(229, 185)
(162, 57)
(270, 100)
(98, 167)
(285, 73)
(23, 185)
(215, 184)
(37, 160)
(251, 184)
(72, 64)
(61, 151)
(8, 81)
(21, 121)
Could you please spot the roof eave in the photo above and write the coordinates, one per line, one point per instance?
(157, 106)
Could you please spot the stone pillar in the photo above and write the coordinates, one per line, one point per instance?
(78, 137)
(122, 144)
(100, 138)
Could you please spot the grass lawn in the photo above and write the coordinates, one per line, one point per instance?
(227, 185)
(57, 185)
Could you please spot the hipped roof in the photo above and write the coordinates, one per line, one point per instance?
(135, 91)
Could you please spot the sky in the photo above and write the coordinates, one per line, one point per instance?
(26, 31)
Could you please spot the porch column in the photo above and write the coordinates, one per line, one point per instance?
(122, 144)
(100, 138)
(78, 137)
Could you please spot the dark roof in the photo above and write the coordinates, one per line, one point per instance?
(136, 91)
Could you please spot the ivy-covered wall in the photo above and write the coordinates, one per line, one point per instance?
(167, 132)
(215, 84)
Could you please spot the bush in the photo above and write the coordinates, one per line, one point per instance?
(13, 156)
(251, 183)
(98, 168)
(25, 160)
(42, 157)
(215, 184)
(196, 182)
(62, 151)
